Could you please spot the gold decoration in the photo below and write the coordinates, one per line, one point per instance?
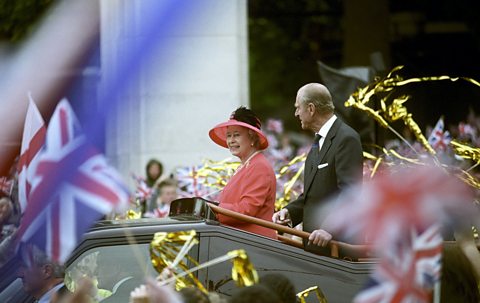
(388, 153)
(369, 157)
(132, 214)
(465, 151)
(398, 111)
(394, 154)
(469, 153)
(287, 187)
(393, 108)
(215, 174)
(167, 250)
(243, 272)
(381, 90)
(318, 292)
(467, 178)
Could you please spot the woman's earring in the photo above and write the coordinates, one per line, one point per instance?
(251, 144)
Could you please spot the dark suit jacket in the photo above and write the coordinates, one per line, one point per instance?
(342, 150)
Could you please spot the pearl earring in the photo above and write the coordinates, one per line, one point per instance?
(251, 144)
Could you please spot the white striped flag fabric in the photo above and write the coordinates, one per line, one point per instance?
(74, 186)
(32, 142)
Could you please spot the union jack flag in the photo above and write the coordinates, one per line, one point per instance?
(191, 183)
(162, 211)
(439, 139)
(466, 129)
(409, 274)
(142, 190)
(32, 142)
(73, 187)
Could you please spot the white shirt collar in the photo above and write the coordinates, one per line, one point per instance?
(326, 127)
(48, 295)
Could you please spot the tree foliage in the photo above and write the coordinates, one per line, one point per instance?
(18, 17)
(286, 38)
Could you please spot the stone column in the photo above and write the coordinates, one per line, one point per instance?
(194, 82)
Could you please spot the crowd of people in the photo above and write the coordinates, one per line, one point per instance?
(333, 164)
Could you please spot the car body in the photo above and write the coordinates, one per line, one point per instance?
(127, 242)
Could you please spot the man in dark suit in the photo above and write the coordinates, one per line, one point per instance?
(334, 162)
(41, 277)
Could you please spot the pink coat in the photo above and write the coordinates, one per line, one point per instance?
(251, 191)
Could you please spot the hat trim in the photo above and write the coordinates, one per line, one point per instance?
(217, 134)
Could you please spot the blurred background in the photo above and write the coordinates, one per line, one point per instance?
(225, 53)
(430, 38)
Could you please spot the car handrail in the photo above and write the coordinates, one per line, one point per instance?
(335, 246)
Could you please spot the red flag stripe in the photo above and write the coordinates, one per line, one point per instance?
(34, 146)
(63, 126)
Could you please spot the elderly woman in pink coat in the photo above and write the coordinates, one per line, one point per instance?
(251, 190)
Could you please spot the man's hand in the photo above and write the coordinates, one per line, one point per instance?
(319, 237)
(282, 217)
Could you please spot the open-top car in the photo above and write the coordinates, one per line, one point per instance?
(127, 245)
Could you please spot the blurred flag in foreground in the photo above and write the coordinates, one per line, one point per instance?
(33, 140)
(384, 209)
(408, 273)
(73, 187)
(402, 214)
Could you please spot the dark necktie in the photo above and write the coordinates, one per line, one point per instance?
(315, 151)
(316, 141)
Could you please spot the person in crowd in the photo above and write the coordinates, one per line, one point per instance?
(167, 192)
(255, 294)
(41, 277)
(7, 229)
(6, 210)
(281, 286)
(251, 190)
(334, 162)
(154, 171)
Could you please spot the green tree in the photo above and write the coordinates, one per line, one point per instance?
(286, 38)
(19, 17)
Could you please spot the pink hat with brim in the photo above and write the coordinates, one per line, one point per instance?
(219, 133)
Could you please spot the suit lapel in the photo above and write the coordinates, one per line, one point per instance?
(325, 147)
